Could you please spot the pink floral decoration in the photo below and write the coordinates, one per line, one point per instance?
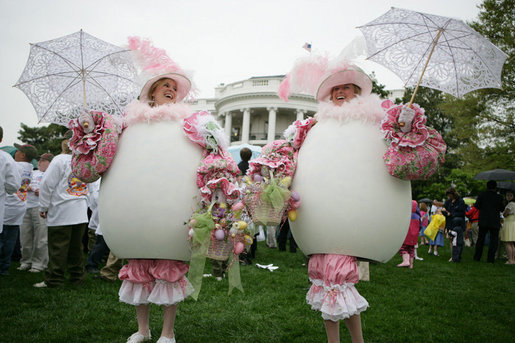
(413, 155)
(302, 128)
(93, 152)
(217, 170)
(190, 127)
(279, 157)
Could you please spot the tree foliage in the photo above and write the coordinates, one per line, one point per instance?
(47, 139)
(479, 129)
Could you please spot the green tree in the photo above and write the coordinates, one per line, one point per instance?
(47, 139)
(485, 119)
(378, 88)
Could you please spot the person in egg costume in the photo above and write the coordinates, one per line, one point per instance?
(340, 163)
(137, 221)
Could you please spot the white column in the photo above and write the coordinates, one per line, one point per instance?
(272, 114)
(300, 114)
(228, 124)
(245, 126)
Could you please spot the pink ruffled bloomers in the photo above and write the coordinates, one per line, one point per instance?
(161, 282)
(332, 291)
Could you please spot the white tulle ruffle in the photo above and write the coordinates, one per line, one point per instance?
(160, 292)
(336, 301)
(170, 293)
(135, 293)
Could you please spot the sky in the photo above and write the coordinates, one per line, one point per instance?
(222, 41)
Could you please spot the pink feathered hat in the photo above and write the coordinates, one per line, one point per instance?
(155, 65)
(316, 75)
(350, 74)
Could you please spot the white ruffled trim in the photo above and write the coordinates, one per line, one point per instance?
(170, 293)
(137, 112)
(336, 301)
(367, 109)
(134, 293)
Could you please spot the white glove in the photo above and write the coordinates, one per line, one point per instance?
(86, 121)
(405, 119)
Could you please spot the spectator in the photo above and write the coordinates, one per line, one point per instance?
(33, 230)
(454, 210)
(490, 205)
(437, 226)
(473, 216)
(407, 250)
(284, 235)
(508, 228)
(100, 248)
(245, 154)
(15, 205)
(10, 181)
(62, 199)
(424, 217)
(110, 271)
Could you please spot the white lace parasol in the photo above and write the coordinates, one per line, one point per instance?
(437, 52)
(66, 75)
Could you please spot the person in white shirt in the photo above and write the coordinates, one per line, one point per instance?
(15, 205)
(33, 231)
(10, 179)
(63, 202)
(100, 249)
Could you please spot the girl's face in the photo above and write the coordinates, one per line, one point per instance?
(342, 93)
(509, 196)
(165, 92)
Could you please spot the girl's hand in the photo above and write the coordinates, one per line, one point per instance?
(86, 121)
(405, 118)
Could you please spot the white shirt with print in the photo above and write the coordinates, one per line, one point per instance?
(32, 198)
(10, 181)
(16, 203)
(94, 222)
(62, 194)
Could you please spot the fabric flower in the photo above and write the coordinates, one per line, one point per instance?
(278, 156)
(296, 133)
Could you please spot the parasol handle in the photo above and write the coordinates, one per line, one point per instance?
(85, 124)
(440, 31)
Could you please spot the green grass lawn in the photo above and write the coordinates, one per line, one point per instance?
(437, 301)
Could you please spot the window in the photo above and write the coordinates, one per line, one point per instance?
(259, 83)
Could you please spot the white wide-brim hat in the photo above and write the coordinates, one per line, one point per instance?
(183, 85)
(351, 74)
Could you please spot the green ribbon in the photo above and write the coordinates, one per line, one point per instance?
(200, 244)
(234, 274)
(275, 194)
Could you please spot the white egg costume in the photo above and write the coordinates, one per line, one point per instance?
(148, 193)
(350, 203)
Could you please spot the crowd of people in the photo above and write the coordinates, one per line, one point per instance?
(487, 221)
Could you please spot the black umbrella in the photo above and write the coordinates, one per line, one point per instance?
(509, 186)
(426, 200)
(496, 174)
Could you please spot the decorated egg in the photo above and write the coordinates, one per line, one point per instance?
(238, 206)
(350, 203)
(238, 248)
(219, 234)
(295, 196)
(292, 215)
(148, 192)
(248, 240)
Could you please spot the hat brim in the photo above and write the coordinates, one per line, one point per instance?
(31, 153)
(183, 85)
(350, 75)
